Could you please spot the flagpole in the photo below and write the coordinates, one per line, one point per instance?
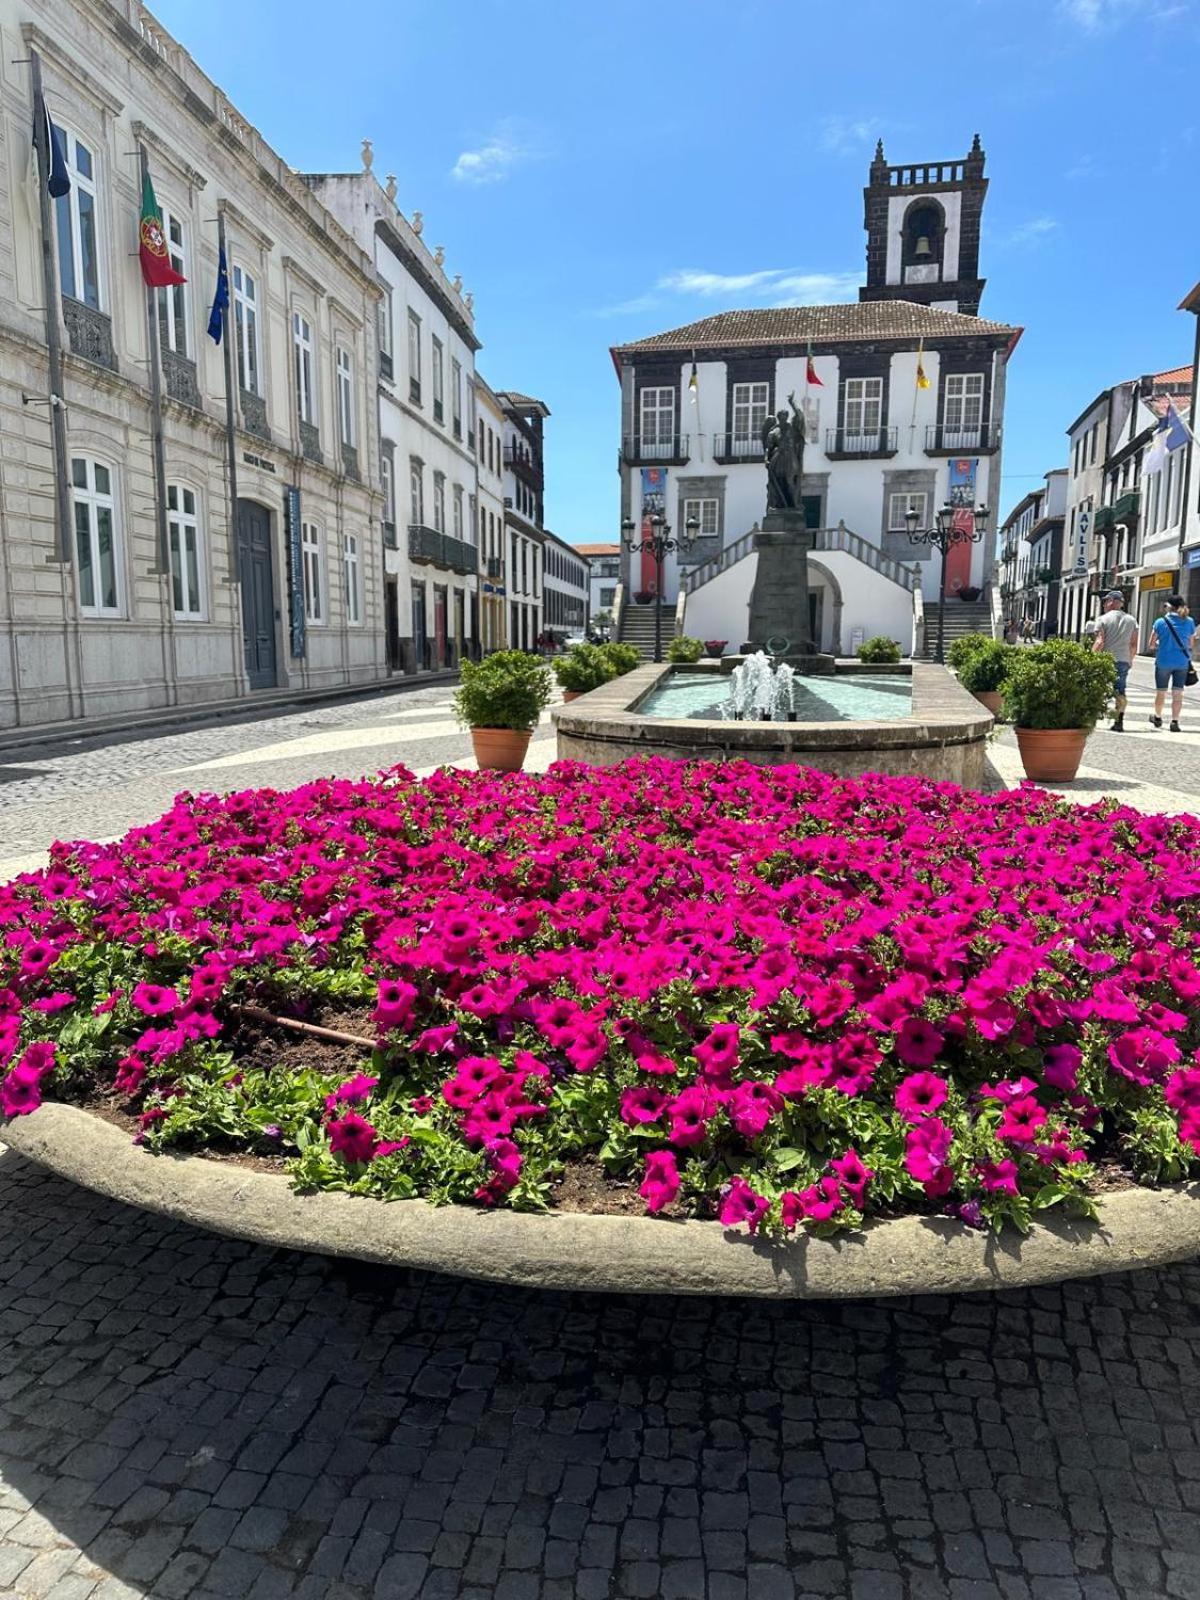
(58, 412)
(227, 337)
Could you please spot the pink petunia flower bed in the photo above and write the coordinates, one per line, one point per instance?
(762, 995)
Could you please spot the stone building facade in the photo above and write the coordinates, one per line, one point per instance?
(123, 590)
(524, 514)
(565, 587)
(493, 540)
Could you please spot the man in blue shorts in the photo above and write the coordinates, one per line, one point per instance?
(1117, 636)
(1172, 645)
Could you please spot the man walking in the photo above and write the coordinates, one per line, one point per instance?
(1172, 646)
(1117, 636)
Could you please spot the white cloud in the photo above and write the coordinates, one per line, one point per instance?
(816, 288)
(689, 280)
(1033, 230)
(1098, 16)
(772, 286)
(493, 161)
(848, 133)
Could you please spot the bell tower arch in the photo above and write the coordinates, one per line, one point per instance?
(923, 224)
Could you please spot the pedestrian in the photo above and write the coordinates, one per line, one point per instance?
(1010, 631)
(1117, 636)
(1173, 638)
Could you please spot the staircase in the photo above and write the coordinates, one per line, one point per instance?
(962, 616)
(637, 628)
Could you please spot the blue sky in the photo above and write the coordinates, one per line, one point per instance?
(598, 171)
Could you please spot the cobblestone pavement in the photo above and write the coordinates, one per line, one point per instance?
(189, 1418)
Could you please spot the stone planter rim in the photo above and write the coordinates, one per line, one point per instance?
(617, 1254)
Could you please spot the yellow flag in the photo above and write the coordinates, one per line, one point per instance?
(922, 380)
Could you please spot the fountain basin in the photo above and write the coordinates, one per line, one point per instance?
(943, 736)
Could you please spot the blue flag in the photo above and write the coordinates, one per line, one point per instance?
(1178, 432)
(58, 179)
(220, 305)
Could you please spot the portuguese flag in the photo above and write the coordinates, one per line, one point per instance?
(152, 244)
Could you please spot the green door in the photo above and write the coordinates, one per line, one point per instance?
(812, 510)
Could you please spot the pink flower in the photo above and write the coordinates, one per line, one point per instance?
(642, 1104)
(53, 1002)
(998, 1177)
(350, 1093)
(739, 1203)
(1060, 1068)
(918, 1042)
(853, 1175)
(926, 1148)
(588, 1048)
(1143, 1055)
(155, 1000)
(1182, 1090)
(1021, 1121)
(20, 1091)
(920, 1094)
(660, 1184)
(352, 1137)
(821, 1202)
(718, 1053)
(689, 1112)
(751, 1106)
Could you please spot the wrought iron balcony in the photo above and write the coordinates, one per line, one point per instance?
(440, 549)
(943, 439)
(855, 443)
(674, 450)
(730, 447)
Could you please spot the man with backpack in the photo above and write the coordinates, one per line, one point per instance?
(1173, 636)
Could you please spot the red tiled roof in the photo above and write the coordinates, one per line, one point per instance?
(597, 549)
(869, 319)
(1177, 378)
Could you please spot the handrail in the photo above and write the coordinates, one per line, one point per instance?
(997, 611)
(618, 608)
(689, 582)
(918, 626)
(836, 539)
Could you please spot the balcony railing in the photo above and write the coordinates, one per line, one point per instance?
(637, 451)
(860, 442)
(729, 447)
(942, 438)
(441, 549)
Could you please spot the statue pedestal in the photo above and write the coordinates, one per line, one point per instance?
(779, 611)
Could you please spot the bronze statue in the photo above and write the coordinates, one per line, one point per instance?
(783, 450)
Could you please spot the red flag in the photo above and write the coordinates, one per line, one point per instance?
(157, 270)
(811, 375)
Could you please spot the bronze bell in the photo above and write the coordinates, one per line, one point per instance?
(922, 247)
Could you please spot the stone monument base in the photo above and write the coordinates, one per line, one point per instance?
(779, 621)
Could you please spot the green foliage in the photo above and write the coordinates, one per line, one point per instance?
(624, 657)
(507, 690)
(985, 669)
(879, 651)
(964, 648)
(683, 648)
(584, 667)
(1058, 684)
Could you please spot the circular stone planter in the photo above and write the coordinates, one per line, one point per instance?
(628, 1255)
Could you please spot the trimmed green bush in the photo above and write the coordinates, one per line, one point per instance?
(584, 667)
(623, 657)
(1059, 684)
(879, 651)
(507, 690)
(685, 649)
(962, 649)
(985, 669)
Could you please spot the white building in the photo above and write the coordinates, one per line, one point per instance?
(604, 572)
(564, 587)
(427, 463)
(524, 514)
(1030, 556)
(493, 540)
(902, 396)
(123, 588)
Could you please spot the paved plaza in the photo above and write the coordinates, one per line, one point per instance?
(184, 1417)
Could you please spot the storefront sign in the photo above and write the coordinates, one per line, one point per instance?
(291, 516)
(252, 460)
(1156, 580)
(1085, 531)
(1191, 558)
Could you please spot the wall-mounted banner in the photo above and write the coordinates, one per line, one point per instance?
(1084, 535)
(962, 492)
(291, 516)
(654, 499)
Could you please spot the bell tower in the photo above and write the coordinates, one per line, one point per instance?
(922, 225)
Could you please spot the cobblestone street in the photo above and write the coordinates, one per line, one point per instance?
(184, 1417)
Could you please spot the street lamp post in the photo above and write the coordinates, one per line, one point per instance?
(941, 536)
(658, 542)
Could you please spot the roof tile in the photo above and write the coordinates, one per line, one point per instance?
(869, 319)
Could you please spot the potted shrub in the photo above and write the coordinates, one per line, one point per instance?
(500, 699)
(1054, 694)
(584, 667)
(685, 649)
(879, 651)
(715, 647)
(621, 657)
(962, 648)
(984, 672)
(643, 597)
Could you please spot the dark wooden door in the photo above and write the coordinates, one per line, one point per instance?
(257, 580)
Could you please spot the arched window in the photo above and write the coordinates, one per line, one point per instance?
(924, 232)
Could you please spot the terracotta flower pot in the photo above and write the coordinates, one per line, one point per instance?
(571, 694)
(991, 699)
(500, 749)
(1051, 754)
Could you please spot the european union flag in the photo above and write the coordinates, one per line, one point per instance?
(58, 179)
(220, 305)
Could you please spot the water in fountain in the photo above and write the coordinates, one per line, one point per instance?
(759, 692)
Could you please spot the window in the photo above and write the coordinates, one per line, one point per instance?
(314, 572)
(245, 319)
(863, 406)
(1095, 444)
(77, 226)
(472, 416)
(749, 412)
(96, 539)
(439, 382)
(456, 397)
(439, 501)
(183, 537)
(962, 411)
(173, 329)
(900, 504)
(456, 507)
(302, 348)
(387, 478)
(707, 513)
(351, 578)
(657, 437)
(345, 395)
(414, 358)
(416, 490)
(384, 312)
